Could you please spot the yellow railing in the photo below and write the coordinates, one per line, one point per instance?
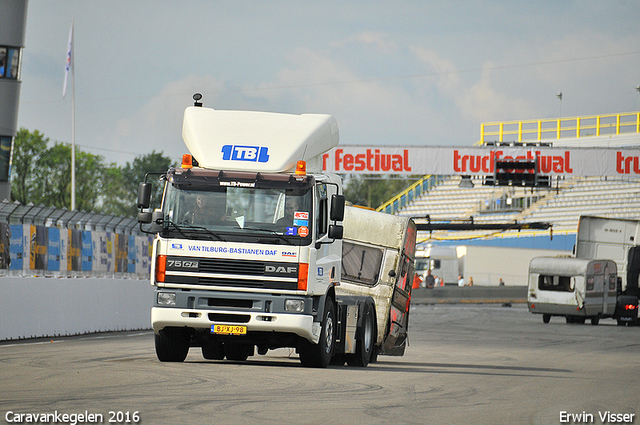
(575, 127)
(409, 194)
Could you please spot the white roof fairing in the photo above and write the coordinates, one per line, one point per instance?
(257, 141)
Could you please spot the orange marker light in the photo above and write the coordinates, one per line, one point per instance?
(161, 267)
(187, 161)
(301, 168)
(303, 275)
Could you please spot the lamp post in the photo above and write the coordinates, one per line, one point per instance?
(559, 96)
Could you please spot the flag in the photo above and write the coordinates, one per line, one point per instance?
(68, 64)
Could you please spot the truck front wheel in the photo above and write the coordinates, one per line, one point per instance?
(172, 344)
(320, 354)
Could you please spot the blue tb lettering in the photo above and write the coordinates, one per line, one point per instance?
(245, 153)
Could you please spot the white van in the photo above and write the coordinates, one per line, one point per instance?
(572, 287)
(441, 260)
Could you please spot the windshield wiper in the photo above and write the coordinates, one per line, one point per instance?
(187, 230)
(271, 233)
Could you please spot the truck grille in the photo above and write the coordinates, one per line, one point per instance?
(243, 267)
(279, 275)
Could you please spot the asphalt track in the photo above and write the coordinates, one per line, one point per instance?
(466, 364)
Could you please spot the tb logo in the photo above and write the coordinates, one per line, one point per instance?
(245, 153)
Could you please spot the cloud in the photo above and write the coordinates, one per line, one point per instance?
(375, 111)
(157, 124)
(378, 40)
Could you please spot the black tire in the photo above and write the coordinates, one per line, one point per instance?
(576, 319)
(364, 345)
(374, 354)
(320, 354)
(546, 318)
(338, 360)
(213, 351)
(595, 320)
(238, 351)
(172, 344)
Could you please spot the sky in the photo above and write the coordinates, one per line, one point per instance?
(401, 73)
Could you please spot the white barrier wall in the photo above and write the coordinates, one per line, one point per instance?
(47, 307)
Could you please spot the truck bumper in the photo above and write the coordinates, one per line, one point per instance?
(298, 324)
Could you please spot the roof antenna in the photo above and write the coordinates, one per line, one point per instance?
(196, 98)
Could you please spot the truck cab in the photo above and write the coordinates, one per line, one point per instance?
(248, 250)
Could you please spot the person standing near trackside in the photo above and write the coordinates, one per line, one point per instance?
(429, 280)
(460, 280)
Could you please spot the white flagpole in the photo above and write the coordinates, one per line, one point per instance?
(73, 139)
(70, 68)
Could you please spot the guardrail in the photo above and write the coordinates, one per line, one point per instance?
(574, 127)
(52, 242)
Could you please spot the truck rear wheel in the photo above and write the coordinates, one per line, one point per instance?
(172, 344)
(213, 351)
(320, 354)
(546, 318)
(238, 351)
(364, 346)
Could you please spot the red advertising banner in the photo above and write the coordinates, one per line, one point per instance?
(352, 159)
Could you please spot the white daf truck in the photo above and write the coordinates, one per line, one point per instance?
(249, 252)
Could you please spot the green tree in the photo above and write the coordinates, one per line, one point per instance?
(114, 197)
(53, 172)
(42, 175)
(133, 174)
(27, 149)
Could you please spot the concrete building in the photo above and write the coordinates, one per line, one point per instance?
(13, 18)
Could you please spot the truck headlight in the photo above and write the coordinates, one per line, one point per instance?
(166, 298)
(295, 306)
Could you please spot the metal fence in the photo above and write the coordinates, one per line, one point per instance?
(53, 242)
(557, 128)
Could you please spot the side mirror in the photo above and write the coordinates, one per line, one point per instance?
(144, 217)
(155, 219)
(144, 195)
(335, 231)
(337, 209)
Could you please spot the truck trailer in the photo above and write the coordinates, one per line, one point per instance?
(485, 264)
(249, 250)
(618, 240)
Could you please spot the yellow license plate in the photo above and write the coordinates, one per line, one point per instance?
(229, 329)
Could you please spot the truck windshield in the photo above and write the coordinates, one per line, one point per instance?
(261, 211)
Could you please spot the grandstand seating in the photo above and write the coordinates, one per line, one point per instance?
(561, 205)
